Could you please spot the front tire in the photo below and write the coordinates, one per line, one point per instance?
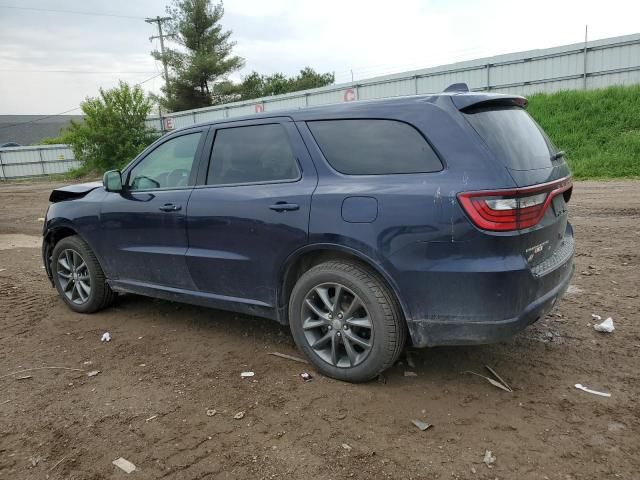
(346, 320)
(78, 277)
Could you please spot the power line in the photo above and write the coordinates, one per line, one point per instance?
(89, 72)
(38, 119)
(73, 12)
(66, 111)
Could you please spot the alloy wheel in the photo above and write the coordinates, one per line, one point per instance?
(337, 325)
(73, 275)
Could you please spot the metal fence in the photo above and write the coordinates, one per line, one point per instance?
(16, 162)
(587, 65)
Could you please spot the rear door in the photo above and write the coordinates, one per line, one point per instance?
(252, 210)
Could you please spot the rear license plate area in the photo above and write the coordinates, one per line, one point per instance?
(559, 205)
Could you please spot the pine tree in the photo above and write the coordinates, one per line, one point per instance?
(204, 57)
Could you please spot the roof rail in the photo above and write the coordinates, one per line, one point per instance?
(457, 87)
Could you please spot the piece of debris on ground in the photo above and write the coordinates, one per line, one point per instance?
(605, 327)
(489, 458)
(288, 357)
(124, 465)
(421, 425)
(499, 383)
(594, 392)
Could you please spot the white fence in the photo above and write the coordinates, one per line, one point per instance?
(595, 64)
(16, 162)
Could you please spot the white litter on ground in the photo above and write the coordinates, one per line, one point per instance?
(124, 465)
(247, 374)
(605, 327)
(421, 425)
(489, 458)
(106, 337)
(588, 390)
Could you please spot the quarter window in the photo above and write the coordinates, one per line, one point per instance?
(167, 166)
(374, 147)
(254, 154)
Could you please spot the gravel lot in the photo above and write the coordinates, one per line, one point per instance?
(167, 364)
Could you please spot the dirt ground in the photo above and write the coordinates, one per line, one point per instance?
(167, 364)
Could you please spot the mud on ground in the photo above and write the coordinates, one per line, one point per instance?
(168, 363)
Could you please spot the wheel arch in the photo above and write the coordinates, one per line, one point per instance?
(310, 255)
(52, 235)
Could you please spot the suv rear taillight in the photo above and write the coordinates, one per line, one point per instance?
(513, 209)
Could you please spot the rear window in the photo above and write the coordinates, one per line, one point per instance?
(374, 147)
(513, 136)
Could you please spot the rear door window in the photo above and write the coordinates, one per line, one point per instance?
(513, 136)
(253, 154)
(374, 147)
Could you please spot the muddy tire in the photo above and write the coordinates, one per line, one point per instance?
(346, 321)
(78, 277)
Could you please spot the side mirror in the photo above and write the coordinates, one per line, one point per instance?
(112, 181)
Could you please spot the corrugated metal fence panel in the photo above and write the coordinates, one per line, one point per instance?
(610, 61)
(620, 78)
(58, 153)
(290, 103)
(392, 88)
(154, 123)
(335, 95)
(19, 162)
(210, 116)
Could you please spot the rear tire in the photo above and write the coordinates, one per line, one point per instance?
(78, 277)
(346, 321)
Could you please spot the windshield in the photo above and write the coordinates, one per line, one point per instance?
(513, 136)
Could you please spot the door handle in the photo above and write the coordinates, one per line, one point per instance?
(170, 207)
(284, 207)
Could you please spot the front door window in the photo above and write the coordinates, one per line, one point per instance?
(167, 166)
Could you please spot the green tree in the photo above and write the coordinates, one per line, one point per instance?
(255, 85)
(204, 57)
(113, 131)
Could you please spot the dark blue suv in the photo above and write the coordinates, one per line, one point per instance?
(435, 220)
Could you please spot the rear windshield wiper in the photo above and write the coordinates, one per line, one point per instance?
(557, 155)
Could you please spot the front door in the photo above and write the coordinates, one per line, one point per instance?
(145, 235)
(253, 211)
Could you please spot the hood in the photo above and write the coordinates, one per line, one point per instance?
(73, 191)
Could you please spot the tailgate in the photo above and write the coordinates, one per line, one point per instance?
(539, 172)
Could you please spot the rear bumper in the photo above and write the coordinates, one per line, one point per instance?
(451, 331)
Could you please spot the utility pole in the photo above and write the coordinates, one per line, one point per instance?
(161, 36)
(584, 66)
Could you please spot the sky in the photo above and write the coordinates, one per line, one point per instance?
(51, 59)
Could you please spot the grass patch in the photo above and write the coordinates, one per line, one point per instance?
(598, 129)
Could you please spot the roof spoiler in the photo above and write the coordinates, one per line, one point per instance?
(478, 99)
(481, 100)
